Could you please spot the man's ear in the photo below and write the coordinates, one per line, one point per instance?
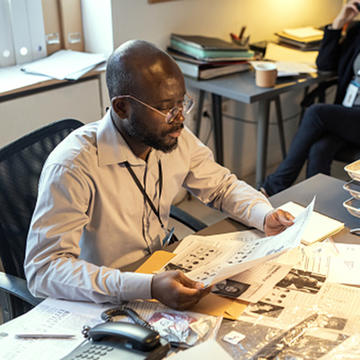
(121, 107)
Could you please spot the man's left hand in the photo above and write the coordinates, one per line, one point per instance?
(277, 221)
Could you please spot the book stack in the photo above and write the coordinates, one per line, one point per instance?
(306, 38)
(205, 57)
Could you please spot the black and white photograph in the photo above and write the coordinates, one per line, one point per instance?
(304, 281)
(262, 308)
(230, 288)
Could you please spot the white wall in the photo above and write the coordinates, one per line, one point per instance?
(97, 26)
(136, 19)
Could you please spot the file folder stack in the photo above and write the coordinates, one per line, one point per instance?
(32, 29)
(22, 34)
(204, 57)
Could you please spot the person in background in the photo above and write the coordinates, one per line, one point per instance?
(325, 128)
(105, 192)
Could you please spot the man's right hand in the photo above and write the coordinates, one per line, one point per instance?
(346, 14)
(174, 289)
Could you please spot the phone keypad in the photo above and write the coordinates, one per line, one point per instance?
(93, 352)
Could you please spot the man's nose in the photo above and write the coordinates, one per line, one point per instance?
(179, 116)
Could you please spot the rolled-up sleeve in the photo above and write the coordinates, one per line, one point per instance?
(53, 266)
(218, 188)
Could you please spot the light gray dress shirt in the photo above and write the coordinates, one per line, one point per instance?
(91, 219)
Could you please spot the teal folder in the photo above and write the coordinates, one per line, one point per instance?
(210, 53)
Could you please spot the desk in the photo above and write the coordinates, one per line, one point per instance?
(329, 192)
(241, 87)
(49, 101)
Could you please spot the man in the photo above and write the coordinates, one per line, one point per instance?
(105, 192)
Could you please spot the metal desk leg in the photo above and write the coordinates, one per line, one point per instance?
(262, 140)
(199, 112)
(218, 129)
(280, 122)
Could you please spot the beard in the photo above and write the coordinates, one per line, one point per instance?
(161, 141)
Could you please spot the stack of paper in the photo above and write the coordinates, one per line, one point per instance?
(276, 52)
(306, 38)
(65, 65)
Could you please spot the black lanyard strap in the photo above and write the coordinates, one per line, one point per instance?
(141, 188)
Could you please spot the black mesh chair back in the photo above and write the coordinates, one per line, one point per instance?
(20, 167)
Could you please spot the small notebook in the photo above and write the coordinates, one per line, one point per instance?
(320, 226)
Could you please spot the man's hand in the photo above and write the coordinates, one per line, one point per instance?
(174, 289)
(277, 221)
(346, 14)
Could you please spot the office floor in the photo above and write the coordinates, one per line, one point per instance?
(211, 216)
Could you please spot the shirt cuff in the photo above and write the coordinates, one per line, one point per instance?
(135, 286)
(258, 214)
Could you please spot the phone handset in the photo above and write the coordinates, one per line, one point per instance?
(140, 338)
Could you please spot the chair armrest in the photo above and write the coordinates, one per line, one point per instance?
(186, 219)
(16, 286)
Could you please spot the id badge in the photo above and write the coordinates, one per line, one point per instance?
(351, 94)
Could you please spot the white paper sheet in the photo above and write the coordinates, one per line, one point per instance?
(213, 259)
(65, 64)
(345, 266)
(304, 32)
(320, 226)
(256, 282)
(276, 52)
(50, 316)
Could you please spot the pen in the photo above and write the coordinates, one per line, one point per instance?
(241, 34)
(168, 237)
(44, 336)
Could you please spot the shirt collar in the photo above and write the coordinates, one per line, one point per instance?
(113, 149)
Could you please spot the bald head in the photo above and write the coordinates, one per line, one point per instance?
(138, 66)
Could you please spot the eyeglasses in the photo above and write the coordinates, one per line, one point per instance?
(187, 105)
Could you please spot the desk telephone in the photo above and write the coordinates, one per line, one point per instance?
(120, 340)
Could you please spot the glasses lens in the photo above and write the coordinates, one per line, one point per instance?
(172, 114)
(188, 104)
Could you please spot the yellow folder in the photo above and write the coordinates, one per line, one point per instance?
(211, 304)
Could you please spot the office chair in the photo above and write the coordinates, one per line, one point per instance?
(349, 152)
(21, 163)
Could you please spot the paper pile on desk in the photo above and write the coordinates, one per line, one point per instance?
(64, 65)
(212, 259)
(276, 52)
(50, 316)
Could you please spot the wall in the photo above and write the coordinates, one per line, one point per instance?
(154, 22)
(97, 26)
(136, 19)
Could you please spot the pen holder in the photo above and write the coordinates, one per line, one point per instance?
(265, 74)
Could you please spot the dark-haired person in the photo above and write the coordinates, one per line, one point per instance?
(326, 128)
(105, 192)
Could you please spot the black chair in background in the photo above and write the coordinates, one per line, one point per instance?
(21, 163)
(349, 152)
(20, 167)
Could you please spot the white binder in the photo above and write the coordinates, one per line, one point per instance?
(21, 31)
(7, 54)
(36, 27)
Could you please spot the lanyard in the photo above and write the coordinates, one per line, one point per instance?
(141, 188)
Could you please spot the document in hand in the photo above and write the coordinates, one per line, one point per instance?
(320, 226)
(210, 259)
